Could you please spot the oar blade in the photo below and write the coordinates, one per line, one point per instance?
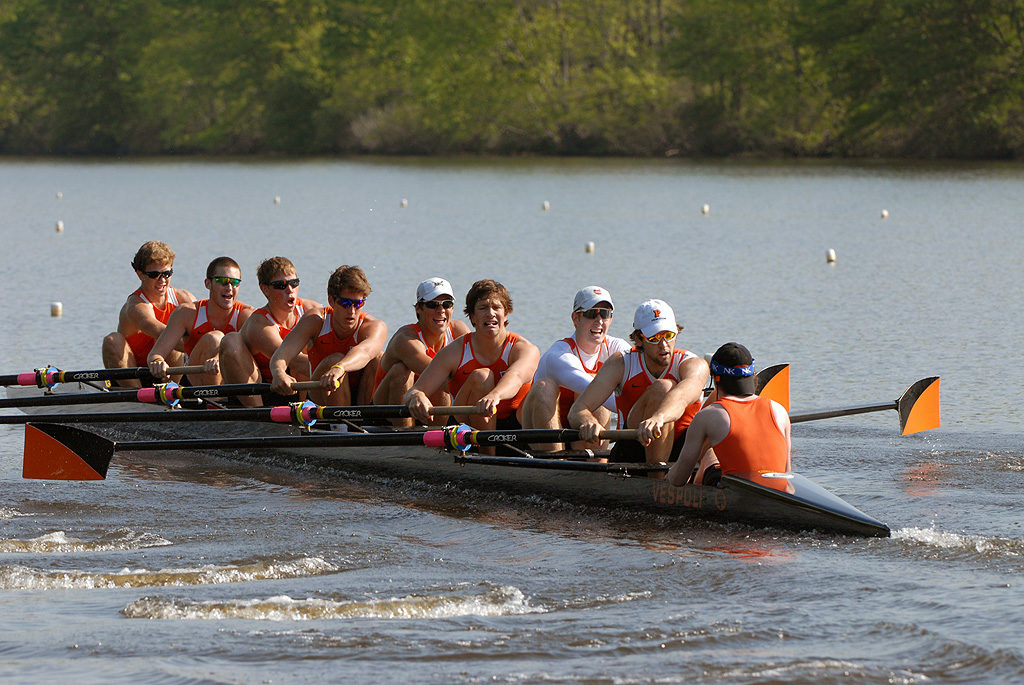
(773, 383)
(58, 452)
(919, 407)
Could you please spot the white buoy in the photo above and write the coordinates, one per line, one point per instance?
(60, 226)
(706, 209)
(589, 247)
(56, 309)
(277, 199)
(830, 256)
(885, 213)
(59, 195)
(545, 205)
(404, 203)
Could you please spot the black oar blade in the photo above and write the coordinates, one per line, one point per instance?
(919, 407)
(58, 452)
(773, 383)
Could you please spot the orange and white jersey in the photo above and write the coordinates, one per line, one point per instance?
(262, 361)
(201, 325)
(327, 341)
(636, 378)
(499, 366)
(449, 336)
(141, 343)
(755, 441)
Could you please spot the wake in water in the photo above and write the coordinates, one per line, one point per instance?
(24, 578)
(59, 542)
(961, 545)
(10, 513)
(500, 601)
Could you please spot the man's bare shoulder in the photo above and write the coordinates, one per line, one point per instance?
(184, 296)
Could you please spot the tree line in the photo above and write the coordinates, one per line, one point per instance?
(847, 78)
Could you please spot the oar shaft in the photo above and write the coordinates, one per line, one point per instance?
(284, 414)
(51, 376)
(846, 411)
(147, 395)
(432, 438)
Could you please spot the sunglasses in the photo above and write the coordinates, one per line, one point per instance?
(159, 274)
(282, 284)
(434, 304)
(226, 280)
(596, 312)
(661, 335)
(345, 303)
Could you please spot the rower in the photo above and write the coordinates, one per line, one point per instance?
(413, 345)
(344, 344)
(200, 326)
(145, 313)
(570, 364)
(490, 367)
(748, 433)
(640, 380)
(245, 355)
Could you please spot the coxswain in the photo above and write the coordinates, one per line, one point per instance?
(203, 324)
(145, 313)
(749, 433)
(245, 355)
(490, 368)
(570, 364)
(640, 380)
(413, 345)
(344, 344)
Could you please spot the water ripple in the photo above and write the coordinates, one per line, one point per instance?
(961, 544)
(59, 542)
(501, 601)
(24, 578)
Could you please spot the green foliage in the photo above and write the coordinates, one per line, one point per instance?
(622, 77)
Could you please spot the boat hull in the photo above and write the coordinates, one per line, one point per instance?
(778, 500)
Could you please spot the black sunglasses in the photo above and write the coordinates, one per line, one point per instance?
(159, 274)
(282, 284)
(434, 304)
(596, 312)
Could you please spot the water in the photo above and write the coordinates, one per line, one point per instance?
(193, 568)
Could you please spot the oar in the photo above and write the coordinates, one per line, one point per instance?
(773, 383)
(918, 408)
(50, 377)
(305, 414)
(168, 394)
(58, 452)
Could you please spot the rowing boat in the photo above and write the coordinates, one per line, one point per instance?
(786, 500)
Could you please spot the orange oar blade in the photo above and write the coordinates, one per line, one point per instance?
(773, 383)
(49, 455)
(919, 406)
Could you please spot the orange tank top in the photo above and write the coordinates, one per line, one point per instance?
(262, 361)
(636, 379)
(449, 336)
(327, 341)
(499, 366)
(755, 442)
(141, 343)
(201, 325)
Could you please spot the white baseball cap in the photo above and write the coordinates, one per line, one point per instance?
(654, 316)
(591, 296)
(432, 287)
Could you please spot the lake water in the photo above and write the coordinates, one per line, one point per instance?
(191, 568)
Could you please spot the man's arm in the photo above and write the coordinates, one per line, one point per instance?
(711, 423)
(410, 350)
(581, 414)
(694, 375)
(293, 344)
(170, 338)
(430, 381)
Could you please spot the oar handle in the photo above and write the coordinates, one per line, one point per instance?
(456, 411)
(184, 370)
